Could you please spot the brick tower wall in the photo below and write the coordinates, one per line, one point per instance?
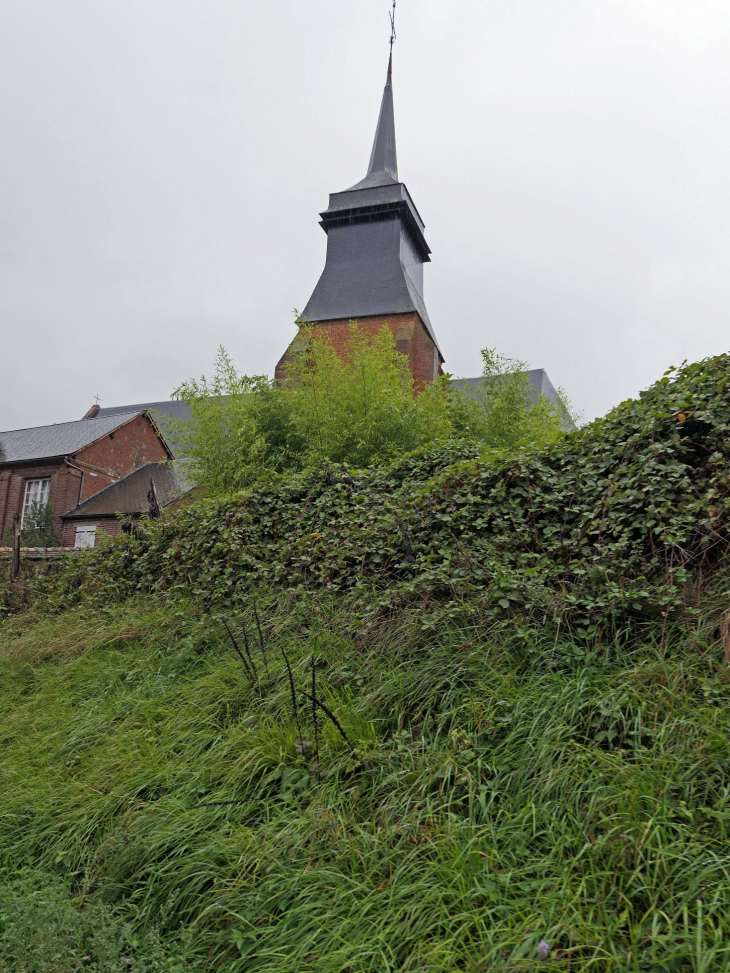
(411, 339)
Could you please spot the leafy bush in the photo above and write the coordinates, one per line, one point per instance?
(501, 412)
(39, 527)
(612, 523)
(360, 410)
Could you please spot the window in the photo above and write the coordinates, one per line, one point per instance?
(36, 491)
(85, 535)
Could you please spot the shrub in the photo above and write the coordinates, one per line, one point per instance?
(39, 529)
(501, 412)
(615, 523)
(361, 411)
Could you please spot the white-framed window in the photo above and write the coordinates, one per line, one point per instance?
(36, 491)
(85, 535)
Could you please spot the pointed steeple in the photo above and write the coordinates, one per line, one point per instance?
(383, 168)
(376, 250)
(383, 157)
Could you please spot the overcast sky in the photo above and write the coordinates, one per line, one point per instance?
(163, 163)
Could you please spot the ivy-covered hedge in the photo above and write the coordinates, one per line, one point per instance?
(617, 519)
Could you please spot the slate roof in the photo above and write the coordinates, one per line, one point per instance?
(541, 385)
(60, 439)
(129, 495)
(169, 407)
(161, 412)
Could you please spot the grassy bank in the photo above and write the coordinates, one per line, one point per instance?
(503, 789)
(423, 717)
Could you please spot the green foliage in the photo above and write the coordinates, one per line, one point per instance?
(614, 523)
(528, 651)
(361, 411)
(39, 528)
(239, 427)
(515, 790)
(45, 929)
(501, 413)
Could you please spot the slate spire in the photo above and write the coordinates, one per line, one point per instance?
(383, 168)
(383, 157)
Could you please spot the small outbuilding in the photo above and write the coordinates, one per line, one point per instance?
(152, 487)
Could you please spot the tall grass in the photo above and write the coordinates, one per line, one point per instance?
(503, 791)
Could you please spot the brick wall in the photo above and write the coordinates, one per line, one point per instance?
(63, 492)
(120, 452)
(104, 525)
(411, 338)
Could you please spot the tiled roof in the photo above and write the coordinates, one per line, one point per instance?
(540, 384)
(129, 495)
(61, 439)
(375, 243)
(383, 166)
(169, 407)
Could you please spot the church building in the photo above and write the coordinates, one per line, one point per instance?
(373, 272)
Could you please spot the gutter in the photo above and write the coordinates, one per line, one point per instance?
(81, 485)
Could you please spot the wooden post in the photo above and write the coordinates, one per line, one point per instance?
(15, 562)
(153, 501)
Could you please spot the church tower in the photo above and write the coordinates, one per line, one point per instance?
(376, 250)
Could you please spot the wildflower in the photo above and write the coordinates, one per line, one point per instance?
(543, 949)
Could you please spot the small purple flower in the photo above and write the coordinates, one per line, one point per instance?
(543, 949)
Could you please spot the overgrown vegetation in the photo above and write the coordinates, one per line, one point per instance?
(464, 711)
(39, 528)
(45, 928)
(361, 411)
(614, 523)
(501, 413)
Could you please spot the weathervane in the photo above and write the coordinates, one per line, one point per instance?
(392, 28)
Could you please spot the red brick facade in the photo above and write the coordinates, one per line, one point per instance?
(411, 337)
(103, 462)
(64, 488)
(111, 526)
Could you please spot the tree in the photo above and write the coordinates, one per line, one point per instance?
(360, 409)
(503, 411)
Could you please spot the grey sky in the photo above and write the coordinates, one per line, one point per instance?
(163, 164)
